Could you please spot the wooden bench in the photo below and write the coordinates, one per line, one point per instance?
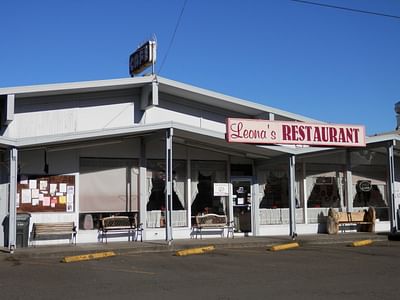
(364, 220)
(54, 231)
(212, 221)
(120, 224)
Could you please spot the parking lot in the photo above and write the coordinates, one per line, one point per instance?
(327, 271)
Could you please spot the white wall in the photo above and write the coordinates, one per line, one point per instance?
(203, 120)
(62, 114)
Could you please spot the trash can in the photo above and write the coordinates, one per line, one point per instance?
(22, 230)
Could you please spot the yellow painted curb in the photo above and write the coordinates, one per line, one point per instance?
(91, 256)
(361, 243)
(191, 251)
(284, 246)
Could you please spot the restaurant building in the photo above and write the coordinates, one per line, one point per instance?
(86, 150)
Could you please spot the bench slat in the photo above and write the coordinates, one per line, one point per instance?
(118, 223)
(335, 219)
(212, 221)
(54, 230)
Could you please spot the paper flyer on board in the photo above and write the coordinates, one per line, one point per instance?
(43, 185)
(26, 196)
(62, 187)
(32, 184)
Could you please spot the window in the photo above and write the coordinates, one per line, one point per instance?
(276, 194)
(156, 194)
(324, 192)
(107, 186)
(204, 175)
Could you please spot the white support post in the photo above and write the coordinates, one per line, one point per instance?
(189, 187)
(143, 185)
(349, 183)
(292, 196)
(12, 233)
(230, 197)
(168, 185)
(230, 204)
(304, 193)
(393, 204)
(255, 204)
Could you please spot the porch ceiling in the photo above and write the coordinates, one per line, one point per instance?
(201, 141)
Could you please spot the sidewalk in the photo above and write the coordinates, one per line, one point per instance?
(157, 246)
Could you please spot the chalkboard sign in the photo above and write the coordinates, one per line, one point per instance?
(46, 193)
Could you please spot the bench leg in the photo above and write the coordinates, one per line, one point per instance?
(137, 233)
(195, 232)
(73, 239)
(230, 231)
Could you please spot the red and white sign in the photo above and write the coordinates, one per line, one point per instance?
(298, 133)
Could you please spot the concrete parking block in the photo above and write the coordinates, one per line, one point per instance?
(199, 250)
(284, 246)
(91, 256)
(361, 243)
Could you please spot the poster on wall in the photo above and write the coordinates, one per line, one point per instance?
(221, 189)
(70, 198)
(32, 184)
(43, 185)
(396, 195)
(26, 196)
(46, 201)
(54, 193)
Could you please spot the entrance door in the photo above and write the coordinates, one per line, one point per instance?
(241, 188)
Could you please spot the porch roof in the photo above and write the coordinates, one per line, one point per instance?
(183, 134)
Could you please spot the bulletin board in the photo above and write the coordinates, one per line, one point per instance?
(46, 193)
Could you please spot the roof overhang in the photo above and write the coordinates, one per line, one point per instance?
(76, 87)
(183, 134)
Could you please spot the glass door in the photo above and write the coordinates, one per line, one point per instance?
(241, 189)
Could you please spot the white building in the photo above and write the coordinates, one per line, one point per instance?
(82, 151)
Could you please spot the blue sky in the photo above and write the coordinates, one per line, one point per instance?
(329, 64)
